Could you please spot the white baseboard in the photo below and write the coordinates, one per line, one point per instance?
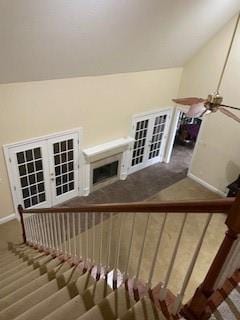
(8, 218)
(206, 185)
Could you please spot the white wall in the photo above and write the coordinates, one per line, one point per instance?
(217, 156)
(102, 105)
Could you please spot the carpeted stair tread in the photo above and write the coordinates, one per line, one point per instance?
(142, 310)
(8, 262)
(16, 276)
(23, 277)
(57, 299)
(114, 306)
(30, 287)
(5, 273)
(29, 301)
(39, 295)
(81, 303)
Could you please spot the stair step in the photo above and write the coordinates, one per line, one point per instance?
(114, 306)
(35, 297)
(81, 303)
(24, 276)
(57, 299)
(30, 287)
(13, 269)
(142, 310)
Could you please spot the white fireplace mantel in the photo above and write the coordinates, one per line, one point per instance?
(93, 155)
(107, 149)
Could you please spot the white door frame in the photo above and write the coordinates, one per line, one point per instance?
(11, 176)
(139, 117)
(172, 133)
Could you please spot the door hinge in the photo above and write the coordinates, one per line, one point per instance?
(78, 166)
(10, 160)
(15, 188)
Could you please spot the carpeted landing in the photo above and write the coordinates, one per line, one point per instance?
(36, 286)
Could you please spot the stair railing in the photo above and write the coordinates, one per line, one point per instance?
(92, 235)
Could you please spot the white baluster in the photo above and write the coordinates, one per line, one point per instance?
(93, 236)
(141, 251)
(64, 235)
(52, 232)
(48, 232)
(101, 239)
(44, 242)
(74, 235)
(87, 236)
(40, 231)
(55, 232)
(69, 235)
(163, 290)
(130, 246)
(26, 225)
(59, 233)
(80, 250)
(180, 296)
(32, 231)
(120, 218)
(110, 226)
(156, 251)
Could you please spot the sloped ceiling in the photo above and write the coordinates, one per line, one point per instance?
(48, 39)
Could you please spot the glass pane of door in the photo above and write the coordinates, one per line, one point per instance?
(140, 142)
(157, 136)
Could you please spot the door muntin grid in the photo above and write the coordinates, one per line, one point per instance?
(31, 176)
(140, 142)
(157, 137)
(64, 175)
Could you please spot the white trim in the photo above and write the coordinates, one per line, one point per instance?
(172, 134)
(113, 147)
(206, 185)
(8, 218)
(44, 137)
(148, 113)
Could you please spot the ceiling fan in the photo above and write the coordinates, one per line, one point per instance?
(199, 107)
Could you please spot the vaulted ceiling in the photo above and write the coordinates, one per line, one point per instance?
(48, 39)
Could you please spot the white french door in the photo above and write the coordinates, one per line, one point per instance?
(150, 133)
(44, 172)
(63, 161)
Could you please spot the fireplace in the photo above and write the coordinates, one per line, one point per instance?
(107, 171)
(106, 163)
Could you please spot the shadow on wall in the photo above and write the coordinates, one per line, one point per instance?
(232, 171)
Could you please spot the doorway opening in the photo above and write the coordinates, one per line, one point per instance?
(184, 137)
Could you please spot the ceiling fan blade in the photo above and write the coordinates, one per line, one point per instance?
(196, 110)
(229, 114)
(226, 106)
(189, 101)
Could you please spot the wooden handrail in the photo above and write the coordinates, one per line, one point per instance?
(199, 206)
(196, 308)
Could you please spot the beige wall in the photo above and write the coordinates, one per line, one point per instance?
(102, 105)
(217, 158)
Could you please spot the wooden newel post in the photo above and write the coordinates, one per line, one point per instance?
(20, 211)
(196, 308)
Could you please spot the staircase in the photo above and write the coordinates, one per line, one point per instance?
(70, 265)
